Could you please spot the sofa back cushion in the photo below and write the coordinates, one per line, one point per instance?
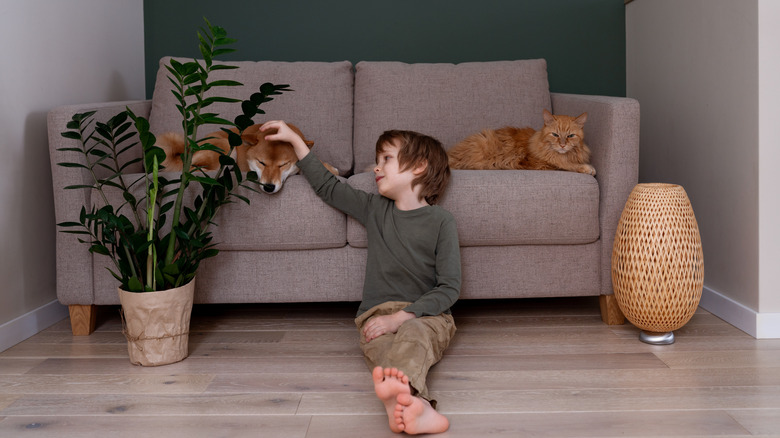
(321, 105)
(446, 101)
(511, 207)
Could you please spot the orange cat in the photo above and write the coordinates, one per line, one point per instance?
(559, 145)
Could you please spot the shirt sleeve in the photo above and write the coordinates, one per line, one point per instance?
(448, 275)
(333, 191)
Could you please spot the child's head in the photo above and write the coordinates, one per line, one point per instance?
(415, 149)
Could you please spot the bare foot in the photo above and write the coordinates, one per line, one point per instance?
(389, 383)
(414, 415)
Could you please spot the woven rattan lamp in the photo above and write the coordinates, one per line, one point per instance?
(657, 261)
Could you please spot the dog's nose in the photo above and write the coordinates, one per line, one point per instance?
(269, 188)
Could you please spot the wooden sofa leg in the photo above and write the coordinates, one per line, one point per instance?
(83, 319)
(610, 311)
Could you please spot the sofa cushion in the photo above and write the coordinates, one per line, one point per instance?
(511, 207)
(292, 219)
(321, 105)
(447, 101)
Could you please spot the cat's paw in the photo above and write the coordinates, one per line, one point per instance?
(587, 168)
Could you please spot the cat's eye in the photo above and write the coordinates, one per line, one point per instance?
(555, 134)
(571, 135)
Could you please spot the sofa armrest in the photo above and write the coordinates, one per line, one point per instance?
(74, 261)
(612, 133)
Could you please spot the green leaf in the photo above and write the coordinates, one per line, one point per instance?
(243, 122)
(69, 224)
(172, 269)
(182, 235)
(210, 100)
(135, 285)
(234, 139)
(223, 67)
(220, 52)
(248, 108)
(73, 165)
(71, 134)
(224, 160)
(70, 150)
(243, 198)
(99, 249)
(225, 83)
(205, 180)
(223, 41)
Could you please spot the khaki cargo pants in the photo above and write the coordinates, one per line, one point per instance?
(415, 348)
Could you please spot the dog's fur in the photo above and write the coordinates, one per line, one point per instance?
(273, 161)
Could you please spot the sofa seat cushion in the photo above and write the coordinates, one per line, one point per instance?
(320, 105)
(511, 207)
(446, 101)
(292, 219)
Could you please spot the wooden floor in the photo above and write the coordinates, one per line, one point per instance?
(517, 368)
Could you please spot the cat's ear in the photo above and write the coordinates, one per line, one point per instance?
(581, 119)
(548, 117)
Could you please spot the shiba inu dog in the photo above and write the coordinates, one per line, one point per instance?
(273, 161)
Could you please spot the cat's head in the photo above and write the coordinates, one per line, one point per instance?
(562, 133)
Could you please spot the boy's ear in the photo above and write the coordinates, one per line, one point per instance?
(420, 167)
(309, 143)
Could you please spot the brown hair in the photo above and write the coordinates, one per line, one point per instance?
(415, 149)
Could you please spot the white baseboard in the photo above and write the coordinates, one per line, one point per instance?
(756, 324)
(29, 324)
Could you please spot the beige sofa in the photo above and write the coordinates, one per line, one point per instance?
(522, 233)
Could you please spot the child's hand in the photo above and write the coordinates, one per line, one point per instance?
(284, 133)
(380, 325)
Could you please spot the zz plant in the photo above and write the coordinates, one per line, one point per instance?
(147, 255)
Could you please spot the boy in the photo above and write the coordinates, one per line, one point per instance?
(412, 272)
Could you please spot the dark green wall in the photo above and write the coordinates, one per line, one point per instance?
(582, 40)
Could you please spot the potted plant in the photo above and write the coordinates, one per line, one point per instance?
(155, 239)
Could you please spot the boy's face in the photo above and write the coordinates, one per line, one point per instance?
(390, 180)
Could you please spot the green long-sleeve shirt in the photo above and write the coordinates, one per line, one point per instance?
(413, 255)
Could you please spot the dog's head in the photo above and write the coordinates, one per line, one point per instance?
(273, 161)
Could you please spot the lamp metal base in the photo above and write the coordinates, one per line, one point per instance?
(656, 338)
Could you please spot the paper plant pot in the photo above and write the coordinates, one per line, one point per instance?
(157, 324)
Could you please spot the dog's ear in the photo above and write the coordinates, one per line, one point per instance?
(309, 143)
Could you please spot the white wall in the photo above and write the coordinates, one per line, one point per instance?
(694, 67)
(54, 52)
(769, 154)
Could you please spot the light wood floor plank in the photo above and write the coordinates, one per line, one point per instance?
(18, 366)
(577, 424)
(143, 405)
(201, 365)
(6, 400)
(549, 362)
(762, 422)
(721, 359)
(308, 382)
(106, 384)
(591, 400)
(164, 426)
(602, 379)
